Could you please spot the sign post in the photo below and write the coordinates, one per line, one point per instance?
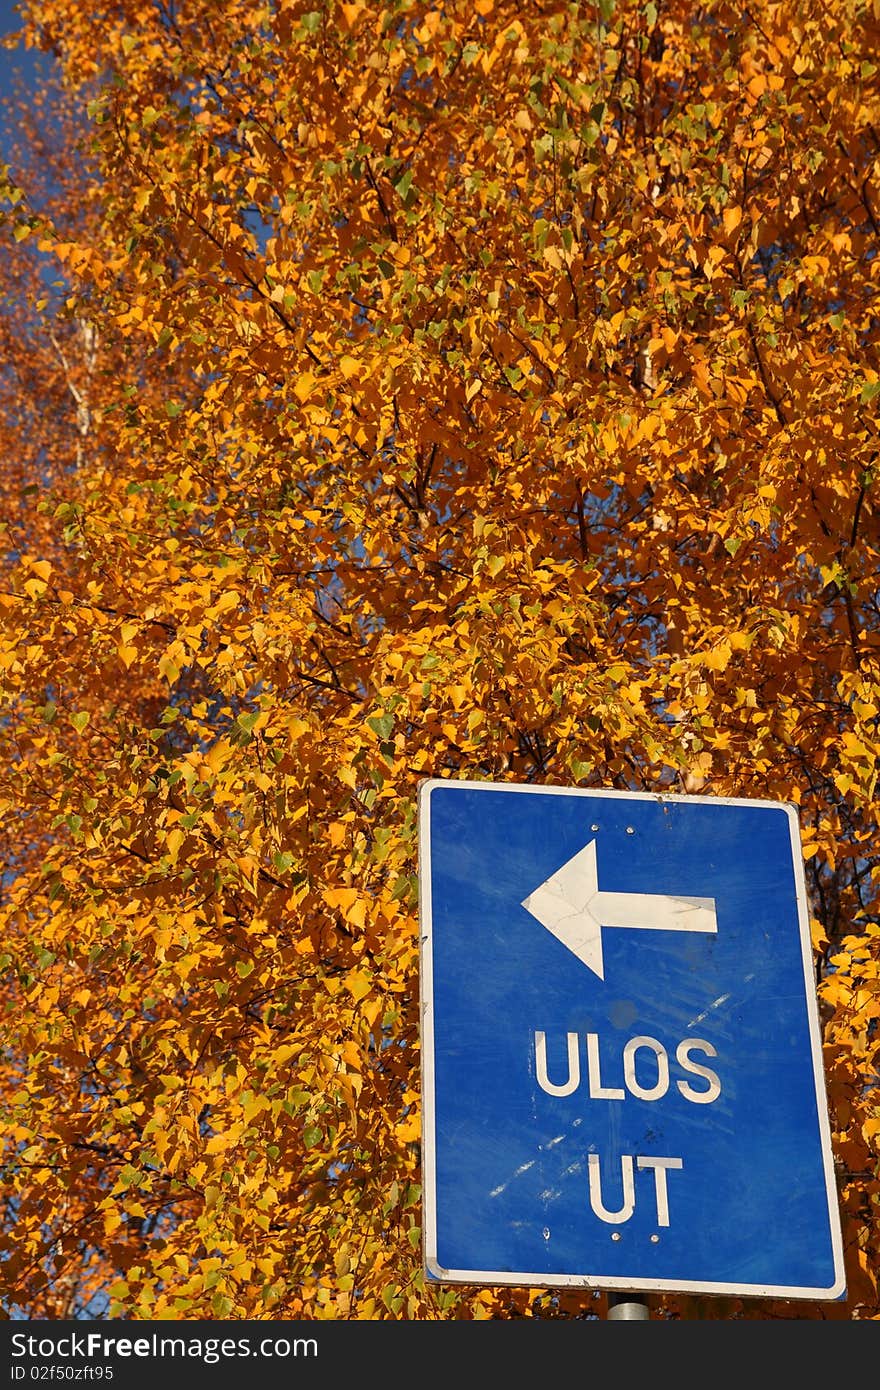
(621, 1055)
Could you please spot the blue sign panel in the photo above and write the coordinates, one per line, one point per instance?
(621, 1057)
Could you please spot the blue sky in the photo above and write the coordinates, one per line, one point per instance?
(9, 61)
(8, 18)
(27, 62)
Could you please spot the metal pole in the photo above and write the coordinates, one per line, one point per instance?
(629, 1306)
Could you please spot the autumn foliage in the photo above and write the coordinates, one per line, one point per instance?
(481, 389)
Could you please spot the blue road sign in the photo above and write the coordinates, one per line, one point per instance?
(621, 1056)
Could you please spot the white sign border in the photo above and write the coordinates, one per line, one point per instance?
(524, 1278)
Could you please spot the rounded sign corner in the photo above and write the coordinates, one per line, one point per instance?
(435, 1271)
(838, 1290)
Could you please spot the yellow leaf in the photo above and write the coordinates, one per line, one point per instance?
(340, 897)
(409, 1130)
(358, 983)
(356, 914)
(303, 385)
(351, 1054)
(371, 1009)
(169, 669)
(349, 902)
(718, 658)
(175, 839)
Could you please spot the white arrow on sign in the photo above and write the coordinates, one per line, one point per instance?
(571, 906)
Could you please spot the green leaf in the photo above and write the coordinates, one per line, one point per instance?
(247, 721)
(382, 724)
